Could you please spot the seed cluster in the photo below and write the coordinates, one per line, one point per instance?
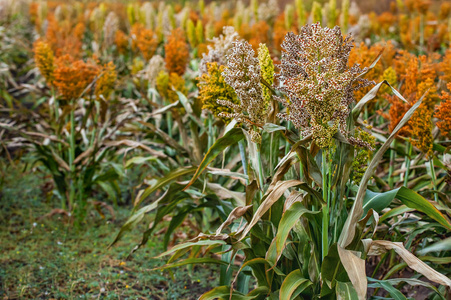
(267, 71)
(243, 73)
(443, 113)
(43, 56)
(154, 67)
(318, 82)
(218, 52)
(212, 87)
(107, 80)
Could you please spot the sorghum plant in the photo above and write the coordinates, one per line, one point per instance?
(74, 138)
(305, 231)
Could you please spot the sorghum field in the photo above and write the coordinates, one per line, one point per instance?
(225, 149)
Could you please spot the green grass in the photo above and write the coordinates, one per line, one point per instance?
(44, 258)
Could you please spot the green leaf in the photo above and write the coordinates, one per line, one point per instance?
(189, 109)
(192, 261)
(293, 285)
(133, 221)
(192, 244)
(395, 212)
(230, 138)
(271, 197)
(378, 201)
(163, 182)
(443, 245)
(253, 263)
(108, 188)
(223, 293)
(345, 291)
(173, 194)
(410, 281)
(332, 269)
(289, 219)
(139, 160)
(414, 200)
(396, 294)
(270, 127)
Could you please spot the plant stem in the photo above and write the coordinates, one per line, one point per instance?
(325, 209)
(210, 131)
(421, 33)
(409, 153)
(434, 178)
(287, 144)
(392, 164)
(243, 157)
(260, 167)
(271, 151)
(72, 155)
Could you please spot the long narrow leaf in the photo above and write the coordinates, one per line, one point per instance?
(230, 138)
(356, 212)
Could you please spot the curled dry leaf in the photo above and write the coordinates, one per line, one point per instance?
(236, 213)
(379, 247)
(355, 267)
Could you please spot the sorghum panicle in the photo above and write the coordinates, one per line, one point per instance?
(443, 113)
(362, 155)
(110, 27)
(144, 39)
(106, 82)
(72, 77)
(243, 73)
(219, 50)
(45, 61)
(212, 87)
(267, 72)
(315, 75)
(176, 52)
(154, 67)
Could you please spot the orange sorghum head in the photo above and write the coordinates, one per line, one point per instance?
(445, 8)
(260, 34)
(445, 66)
(43, 56)
(395, 113)
(422, 6)
(72, 76)
(443, 113)
(145, 40)
(279, 33)
(421, 136)
(421, 121)
(64, 37)
(106, 82)
(176, 52)
(121, 41)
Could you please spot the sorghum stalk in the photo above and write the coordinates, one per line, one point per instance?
(409, 153)
(392, 164)
(325, 209)
(72, 154)
(243, 157)
(260, 166)
(287, 144)
(434, 178)
(421, 33)
(210, 131)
